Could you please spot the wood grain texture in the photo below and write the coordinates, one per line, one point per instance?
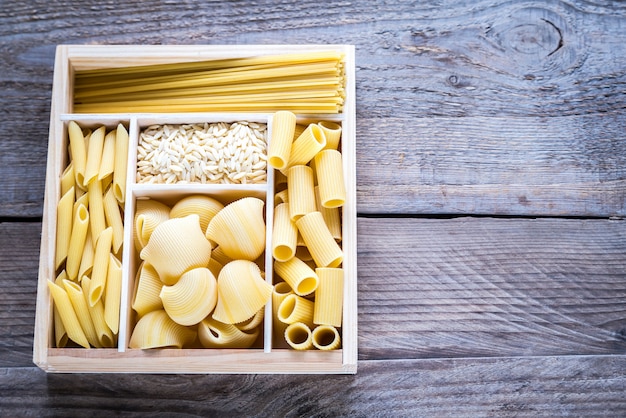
(504, 387)
(537, 59)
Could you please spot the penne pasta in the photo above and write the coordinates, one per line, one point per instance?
(60, 335)
(113, 294)
(301, 192)
(298, 336)
(79, 303)
(300, 277)
(283, 127)
(94, 156)
(77, 242)
(306, 146)
(96, 209)
(96, 312)
(121, 163)
(332, 189)
(86, 261)
(107, 160)
(329, 297)
(64, 226)
(68, 315)
(319, 241)
(113, 218)
(332, 132)
(100, 266)
(326, 337)
(285, 234)
(68, 180)
(78, 152)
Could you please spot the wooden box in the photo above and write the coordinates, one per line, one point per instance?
(264, 357)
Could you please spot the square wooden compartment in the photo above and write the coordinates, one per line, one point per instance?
(265, 359)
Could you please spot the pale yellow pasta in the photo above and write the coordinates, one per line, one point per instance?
(113, 218)
(239, 229)
(329, 297)
(215, 266)
(218, 255)
(280, 292)
(280, 179)
(285, 234)
(80, 226)
(86, 261)
(60, 335)
(252, 323)
(281, 197)
(307, 145)
(332, 217)
(121, 163)
(283, 127)
(204, 206)
(301, 191)
(107, 161)
(96, 312)
(67, 178)
(113, 294)
(176, 246)
(65, 208)
(298, 130)
(192, 298)
(78, 301)
(147, 289)
(157, 329)
(100, 266)
(298, 336)
(298, 275)
(326, 337)
(329, 171)
(302, 252)
(295, 308)
(68, 315)
(96, 209)
(148, 215)
(319, 241)
(78, 151)
(215, 334)
(332, 132)
(94, 155)
(241, 292)
(82, 198)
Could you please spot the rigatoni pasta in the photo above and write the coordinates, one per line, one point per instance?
(332, 189)
(320, 243)
(301, 194)
(285, 234)
(283, 127)
(329, 297)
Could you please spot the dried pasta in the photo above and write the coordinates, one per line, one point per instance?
(113, 294)
(215, 334)
(332, 132)
(78, 152)
(283, 127)
(295, 308)
(319, 241)
(120, 163)
(149, 214)
(157, 329)
(77, 242)
(302, 279)
(280, 292)
(86, 261)
(298, 336)
(96, 312)
(96, 208)
(192, 298)
(326, 337)
(64, 226)
(332, 189)
(285, 234)
(100, 266)
(107, 161)
(67, 178)
(78, 301)
(204, 206)
(332, 217)
(147, 290)
(113, 218)
(300, 191)
(309, 143)
(329, 297)
(60, 335)
(94, 155)
(68, 315)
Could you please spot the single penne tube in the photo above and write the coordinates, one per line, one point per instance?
(326, 337)
(60, 335)
(285, 234)
(298, 336)
(78, 301)
(96, 209)
(86, 261)
(103, 332)
(307, 145)
(332, 131)
(82, 198)
(94, 156)
(65, 209)
(100, 266)
(67, 178)
(283, 127)
(121, 163)
(301, 193)
(329, 297)
(319, 241)
(295, 308)
(298, 275)
(332, 217)
(78, 151)
(113, 294)
(107, 161)
(68, 315)
(329, 170)
(113, 218)
(80, 226)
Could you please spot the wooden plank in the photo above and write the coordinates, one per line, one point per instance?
(477, 59)
(527, 387)
(491, 287)
(571, 165)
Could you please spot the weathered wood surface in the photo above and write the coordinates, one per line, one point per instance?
(465, 108)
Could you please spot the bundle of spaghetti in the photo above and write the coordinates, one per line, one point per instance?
(303, 83)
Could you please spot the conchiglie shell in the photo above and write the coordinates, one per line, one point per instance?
(147, 289)
(148, 215)
(176, 246)
(215, 334)
(239, 229)
(241, 292)
(204, 206)
(157, 329)
(192, 298)
(252, 323)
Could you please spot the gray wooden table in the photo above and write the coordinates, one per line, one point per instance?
(491, 197)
